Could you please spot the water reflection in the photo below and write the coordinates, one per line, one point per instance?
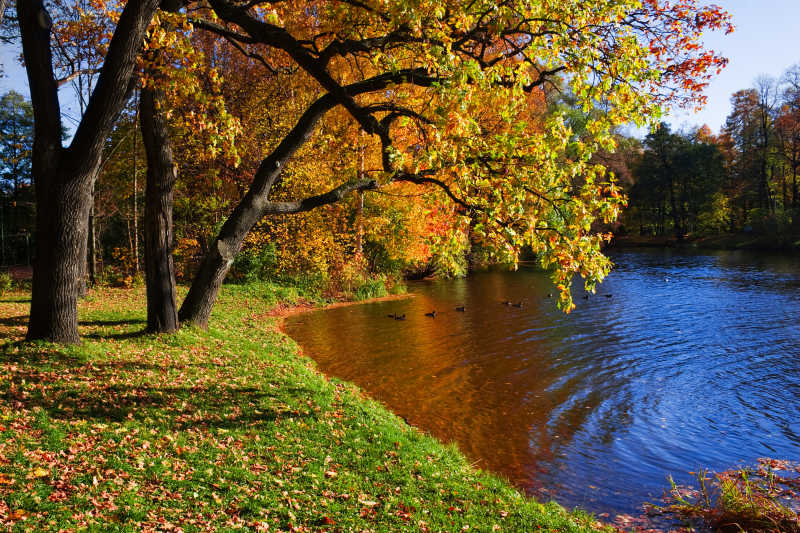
(694, 361)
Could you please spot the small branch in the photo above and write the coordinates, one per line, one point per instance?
(75, 74)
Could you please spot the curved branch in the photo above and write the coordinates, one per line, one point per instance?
(312, 202)
(423, 178)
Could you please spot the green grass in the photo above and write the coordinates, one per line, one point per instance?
(220, 429)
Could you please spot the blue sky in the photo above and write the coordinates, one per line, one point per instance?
(766, 41)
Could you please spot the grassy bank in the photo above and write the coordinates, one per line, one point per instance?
(220, 429)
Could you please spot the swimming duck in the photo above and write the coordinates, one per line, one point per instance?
(432, 314)
(609, 295)
(400, 317)
(549, 294)
(461, 308)
(506, 302)
(518, 305)
(585, 296)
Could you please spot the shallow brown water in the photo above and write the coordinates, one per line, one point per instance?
(693, 362)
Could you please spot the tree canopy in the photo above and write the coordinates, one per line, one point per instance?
(451, 98)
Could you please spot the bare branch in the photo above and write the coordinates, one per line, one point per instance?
(75, 74)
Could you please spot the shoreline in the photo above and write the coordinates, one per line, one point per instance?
(726, 242)
(282, 311)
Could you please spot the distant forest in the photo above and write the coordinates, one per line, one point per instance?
(743, 180)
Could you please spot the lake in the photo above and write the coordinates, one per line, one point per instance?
(693, 361)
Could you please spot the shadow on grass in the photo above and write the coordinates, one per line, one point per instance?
(20, 320)
(127, 322)
(181, 408)
(117, 336)
(15, 300)
(71, 390)
(101, 334)
(138, 366)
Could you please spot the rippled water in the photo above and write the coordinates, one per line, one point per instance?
(693, 362)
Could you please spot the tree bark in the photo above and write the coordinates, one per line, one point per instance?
(162, 311)
(61, 225)
(64, 177)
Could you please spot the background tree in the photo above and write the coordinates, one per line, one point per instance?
(16, 203)
(787, 126)
(749, 171)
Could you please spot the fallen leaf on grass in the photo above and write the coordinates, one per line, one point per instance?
(19, 514)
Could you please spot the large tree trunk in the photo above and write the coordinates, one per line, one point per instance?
(63, 204)
(162, 312)
(196, 308)
(255, 204)
(64, 177)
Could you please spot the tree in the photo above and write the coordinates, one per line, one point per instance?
(787, 127)
(16, 145)
(742, 130)
(16, 141)
(162, 311)
(453, 81)
(677, 178)
(64, 176)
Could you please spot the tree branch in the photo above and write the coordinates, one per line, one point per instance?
(330, 197)
(423, 178)
(35, 26)
(107, 99)
(75, 74)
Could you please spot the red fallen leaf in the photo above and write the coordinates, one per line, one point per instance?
(57, 496)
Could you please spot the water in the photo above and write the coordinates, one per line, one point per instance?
(694, 362)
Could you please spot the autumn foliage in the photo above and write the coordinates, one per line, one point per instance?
(391, 136)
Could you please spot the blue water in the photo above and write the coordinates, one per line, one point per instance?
(693, 362)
